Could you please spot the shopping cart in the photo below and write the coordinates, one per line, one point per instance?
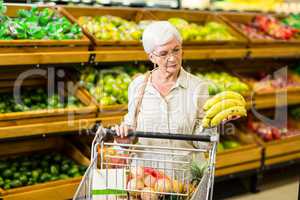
(124, 171)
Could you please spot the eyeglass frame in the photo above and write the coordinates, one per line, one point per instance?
(174, 53)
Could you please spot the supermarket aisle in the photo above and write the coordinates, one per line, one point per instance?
(285, 189)
(279, 184)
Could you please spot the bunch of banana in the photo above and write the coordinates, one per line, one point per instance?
(223, 106)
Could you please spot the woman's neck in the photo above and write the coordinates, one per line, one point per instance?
(165, 77)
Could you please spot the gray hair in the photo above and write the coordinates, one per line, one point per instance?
(159, 33)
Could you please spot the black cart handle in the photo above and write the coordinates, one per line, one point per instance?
(171, 136)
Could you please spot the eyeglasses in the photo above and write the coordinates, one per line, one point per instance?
(165, 54)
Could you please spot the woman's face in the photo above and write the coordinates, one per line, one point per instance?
(168, 57)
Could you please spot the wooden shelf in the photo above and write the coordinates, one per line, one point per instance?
(189, 54)
(275, 52)
(282, 150)
(269, 100)
(45, 128)
(237, 160)
(43, 58)
(60, 189)
(57, 127)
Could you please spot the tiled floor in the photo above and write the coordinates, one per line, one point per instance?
(282, 184)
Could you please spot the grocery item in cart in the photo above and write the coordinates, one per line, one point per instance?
(146, 178)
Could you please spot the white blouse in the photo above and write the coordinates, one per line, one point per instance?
(179, 112)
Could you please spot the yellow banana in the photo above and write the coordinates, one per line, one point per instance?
(205, 122)
(235, 110)
(223, 105)
(221, 96)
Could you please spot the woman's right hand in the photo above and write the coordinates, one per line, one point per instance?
(122, 132)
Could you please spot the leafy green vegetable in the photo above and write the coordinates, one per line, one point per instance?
(38, 24)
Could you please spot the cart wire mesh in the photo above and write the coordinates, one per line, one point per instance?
(134, 171)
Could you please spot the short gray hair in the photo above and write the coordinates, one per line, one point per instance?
(159, 33)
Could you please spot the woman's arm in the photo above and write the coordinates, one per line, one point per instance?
(201, 97)
(128, 122)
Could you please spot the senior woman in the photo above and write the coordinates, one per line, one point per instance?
(168, 99)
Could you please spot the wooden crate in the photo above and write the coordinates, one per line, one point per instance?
(233, 18)
(53, 115)
(199, 18)
(285, 149)
(132, 14)
(61, 189)
(22, 51)
(45, 121)
(105, 110)
(12, 10)
(152, 14)
(282, 150)
(219, 68)
(249, 73)
(246, 157)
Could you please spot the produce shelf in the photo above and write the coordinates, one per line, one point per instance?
(26, 51)
(60, 189)
(18, 123)
(137, 15)
(281, 150)
(279, 145)
(129, 54)
(274, 52)
(233, 19)
(46, 128)
(44, 58)
(263, 101)
(246, 157)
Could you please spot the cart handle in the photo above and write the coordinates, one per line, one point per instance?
(171, 136)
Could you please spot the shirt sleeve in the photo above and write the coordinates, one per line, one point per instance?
(132, 99)
(202, 97)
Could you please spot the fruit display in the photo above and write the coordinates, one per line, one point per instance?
(112, 28)
(209, 31)
(270, 133)
(35, 24)
(36, 99)
(293, 20)
(268, 27)
(223, 81)
(109, 87)
(222, 107)
(262, 82)
(27, 170)
(227, 144)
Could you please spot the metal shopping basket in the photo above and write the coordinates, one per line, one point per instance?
(133, 171)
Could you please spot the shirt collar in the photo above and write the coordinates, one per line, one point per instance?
(182, 79)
